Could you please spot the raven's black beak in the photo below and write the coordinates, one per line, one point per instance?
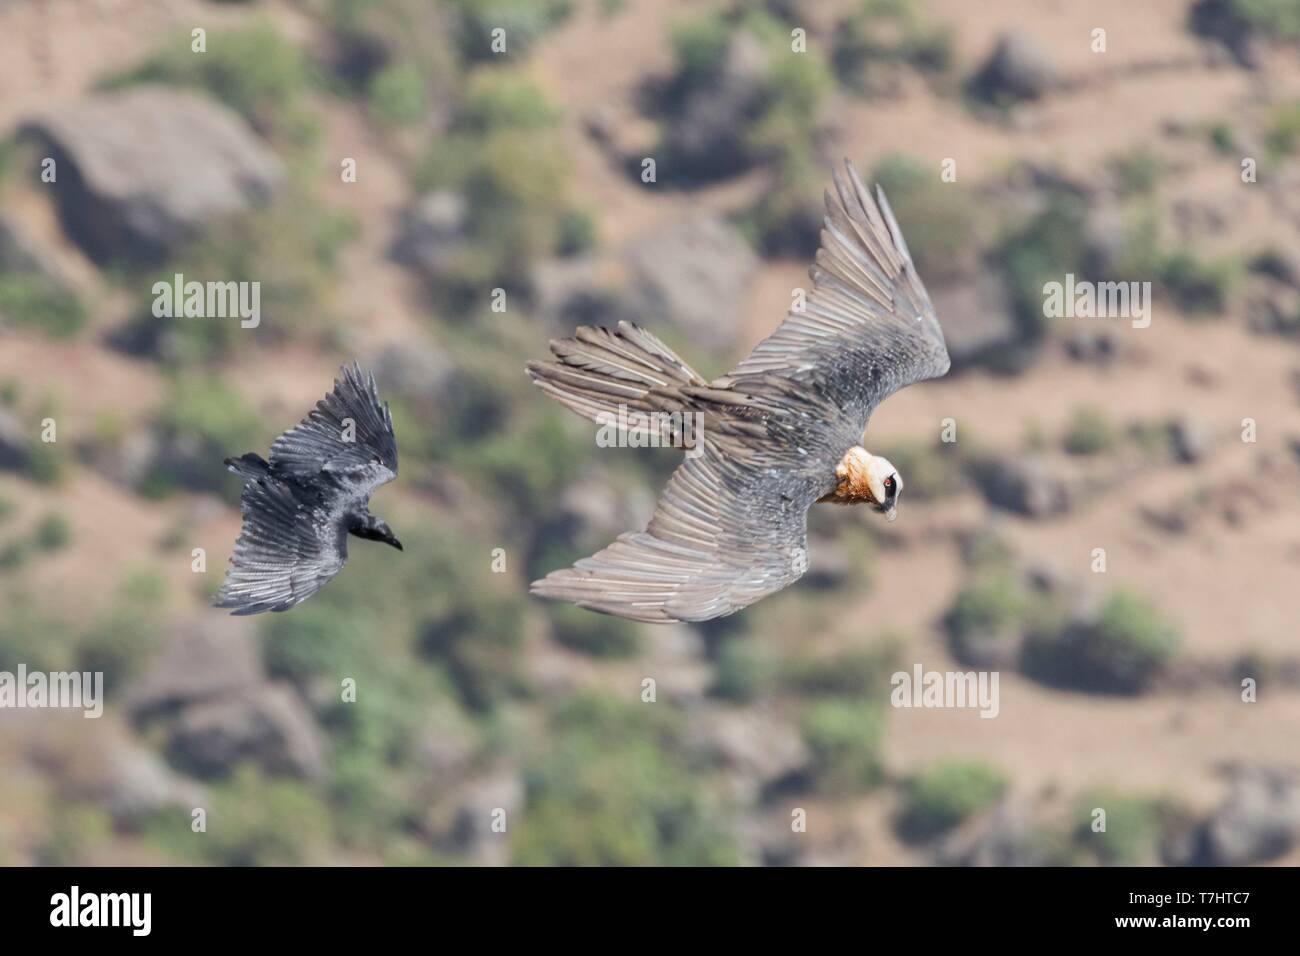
(394, 542)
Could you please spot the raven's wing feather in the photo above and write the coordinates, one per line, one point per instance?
(285, 552)
(868, 327)
(320, 441)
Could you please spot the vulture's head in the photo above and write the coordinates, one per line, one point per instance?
(884, 484)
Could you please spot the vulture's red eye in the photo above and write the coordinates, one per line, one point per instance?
(889, 482)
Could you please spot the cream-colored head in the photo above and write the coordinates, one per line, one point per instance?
(864, 477)
(885, 485)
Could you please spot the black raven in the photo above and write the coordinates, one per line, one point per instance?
(300, 507)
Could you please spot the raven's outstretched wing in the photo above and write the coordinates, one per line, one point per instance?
(325, 441)
(868, 328)
(285, 553)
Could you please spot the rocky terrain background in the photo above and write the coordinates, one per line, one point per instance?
(1169, 154)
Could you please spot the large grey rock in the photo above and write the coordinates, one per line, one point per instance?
(1018, 69)
(757, 745)
(267, 724)
(205, 657)
(977, 322)
(1028, 485)
(695, 274)
(143, 170)
(20, 252)
(139, 783)
(431, 234)
(1259, 820)
(417, 370)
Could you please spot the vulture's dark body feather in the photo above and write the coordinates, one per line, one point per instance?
(300, 507)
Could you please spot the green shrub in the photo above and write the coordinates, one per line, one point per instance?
(1043, 250)
(76, 830)
(31, 633)
(203, 422)
(397, 94)
(844, 737)
(53, 532)
(1272, 18)
(946, 794)
(1200, 287)
(1132, 828)
(1090, 432)
(856, 672)
(524, 22)
(298, 241)
(259, 822)
(33, 302)
(122, 640)
(504, 155)
(884, 32)
(254, 70)
(941, 220)
(616, 787)
(599, 635)
(986, 615)
(1123, 650)
(779, 125)
(741, 672)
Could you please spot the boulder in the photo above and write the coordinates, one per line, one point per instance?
(431, 234)
(139, 783)
(20, 252)
(267, 724)
(696, 274)
(1259, 820)
(205, 657)
(758, 746)
(977, 322)
(143, 170)
(1028, 485)
(1017, 69)
(417, 370)
(1192, 439)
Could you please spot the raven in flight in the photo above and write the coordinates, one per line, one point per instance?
(300, 507)
(777, 434)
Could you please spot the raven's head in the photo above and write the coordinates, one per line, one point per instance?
(373, 528)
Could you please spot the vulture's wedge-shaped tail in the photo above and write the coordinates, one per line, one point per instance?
(731, 525)
(300, 506)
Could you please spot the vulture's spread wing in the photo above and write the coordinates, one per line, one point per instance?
(285, 553)
(731, 525)
(348, 432)
(868, 328)
(721, 538)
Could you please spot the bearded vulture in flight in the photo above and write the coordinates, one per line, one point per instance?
(776, 435)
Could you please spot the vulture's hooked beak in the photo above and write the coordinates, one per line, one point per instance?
(394, 542)
(890, 512)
